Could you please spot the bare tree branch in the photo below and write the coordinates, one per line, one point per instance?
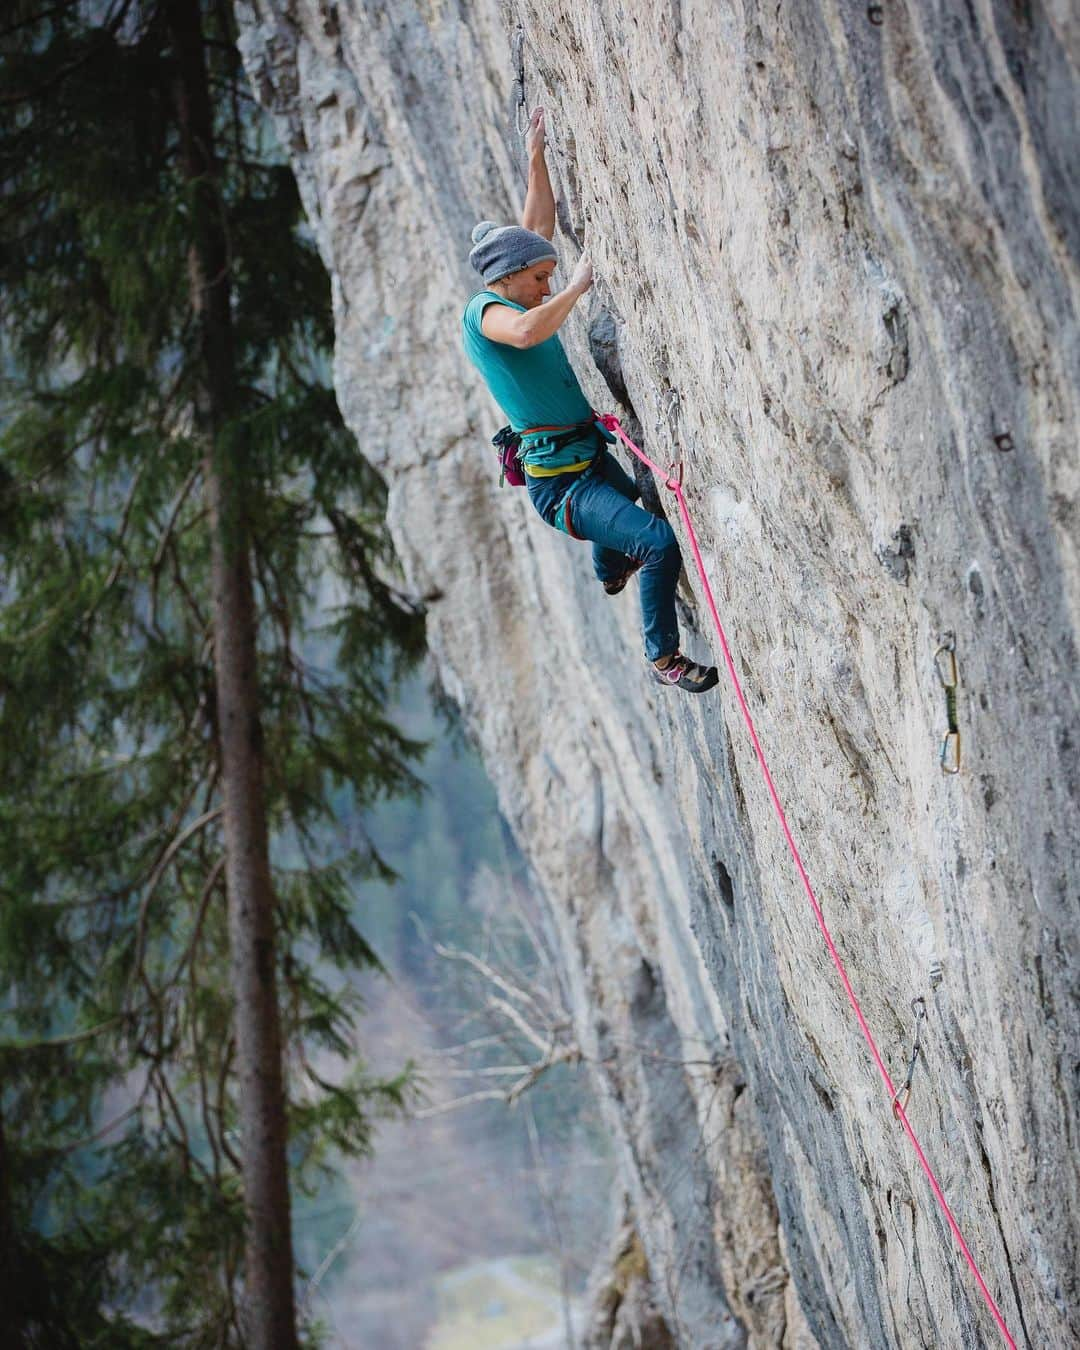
(512, 1015)
(485, 969)
(426, 1112)
(329, 1259)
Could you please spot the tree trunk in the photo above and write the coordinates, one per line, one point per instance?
(7, 1241)
(269, 1311)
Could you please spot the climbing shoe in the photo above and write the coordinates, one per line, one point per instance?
(685, 674)
(614, 587)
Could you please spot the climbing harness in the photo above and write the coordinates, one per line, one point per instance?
(511, 451)
(945, 665)
(918, 1007)
(675, 484)
(521, 110)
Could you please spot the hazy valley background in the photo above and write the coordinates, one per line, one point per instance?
(460, 1231)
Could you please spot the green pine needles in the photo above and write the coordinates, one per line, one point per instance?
(121, 1213)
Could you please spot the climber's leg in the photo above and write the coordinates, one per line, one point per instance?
(612, 567)
(546, 494)
(596, 510)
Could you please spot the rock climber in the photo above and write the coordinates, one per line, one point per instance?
(509, 333)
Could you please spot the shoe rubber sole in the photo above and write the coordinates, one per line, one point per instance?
(712, 678)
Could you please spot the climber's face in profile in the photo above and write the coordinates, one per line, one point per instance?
(529, 287)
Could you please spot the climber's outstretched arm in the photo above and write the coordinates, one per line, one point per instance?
(539, 213)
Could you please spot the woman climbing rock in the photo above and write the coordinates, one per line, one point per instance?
(510, 334)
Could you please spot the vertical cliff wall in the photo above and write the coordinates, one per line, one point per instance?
(847, 237)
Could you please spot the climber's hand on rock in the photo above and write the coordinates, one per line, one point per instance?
(583, 274)
(535, 137)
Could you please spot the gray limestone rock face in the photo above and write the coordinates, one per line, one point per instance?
(625, 1315)
(846, 236)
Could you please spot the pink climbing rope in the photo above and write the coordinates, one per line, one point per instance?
(675, 484)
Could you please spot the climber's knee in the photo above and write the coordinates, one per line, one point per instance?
(663, 546)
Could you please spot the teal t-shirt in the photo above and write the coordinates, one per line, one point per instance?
(535, 386)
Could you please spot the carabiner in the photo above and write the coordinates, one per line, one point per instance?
(946, 668)
(667, 411)
(950, 753)
(918, 1007)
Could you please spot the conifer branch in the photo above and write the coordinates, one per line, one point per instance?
(174, 514)
(121, 558)
(72, 1038)
(187, 958)
(202, 624)
(35, 480)
(99, 1135)
(165, 543)
(170, 852)
(225, 18)
(199, 1061)
(181, 1139)
(32, 20)
(110, 29)
(279, 611)
(222, 1087)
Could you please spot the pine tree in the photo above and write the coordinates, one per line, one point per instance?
(178, 498)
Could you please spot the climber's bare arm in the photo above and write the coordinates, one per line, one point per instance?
(539, 213)
(525, 328)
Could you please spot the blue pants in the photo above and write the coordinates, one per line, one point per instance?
(598, 504)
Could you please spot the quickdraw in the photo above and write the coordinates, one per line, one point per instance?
(667, 410)
(945, 665)
(918, 1007)
(521, 110)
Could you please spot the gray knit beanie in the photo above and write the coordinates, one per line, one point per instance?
(502, 249)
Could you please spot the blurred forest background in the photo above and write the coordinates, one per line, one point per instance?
(430, 1227)
(234, 832)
